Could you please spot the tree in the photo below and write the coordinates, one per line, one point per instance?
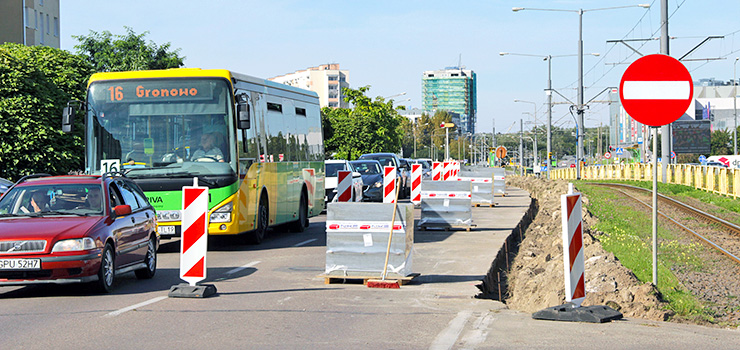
(35, 84)
(370, 126)
(116, 53)
(721, 142)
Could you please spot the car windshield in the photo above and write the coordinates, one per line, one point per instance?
(367, 168)
(67, 199)
(332, 168)
(384, 160)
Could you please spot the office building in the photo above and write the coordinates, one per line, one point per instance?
(30, 22)
(452, 89)
(327, 80)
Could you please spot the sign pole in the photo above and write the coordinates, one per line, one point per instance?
(655, 206)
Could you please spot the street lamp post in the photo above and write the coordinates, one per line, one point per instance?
(580, 104)
(734, 103)
(547, 58)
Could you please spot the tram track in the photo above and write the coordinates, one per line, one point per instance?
(734, 230)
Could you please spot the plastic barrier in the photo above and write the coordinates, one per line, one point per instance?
(499, 181)
(355, 248)
(344, 186)
(416, 184)
(437, 168)
(389, 184)
(446, 204)
(482, 190)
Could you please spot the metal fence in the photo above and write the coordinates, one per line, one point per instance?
(708, 178)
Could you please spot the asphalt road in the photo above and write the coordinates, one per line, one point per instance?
(270, 297)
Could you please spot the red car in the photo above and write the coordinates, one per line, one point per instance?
(70, 229)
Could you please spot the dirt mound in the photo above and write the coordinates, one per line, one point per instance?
(535, 280)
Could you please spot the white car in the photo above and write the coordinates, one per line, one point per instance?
(330, 180)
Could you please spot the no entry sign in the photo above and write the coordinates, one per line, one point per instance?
(607, 155)
(656, 90)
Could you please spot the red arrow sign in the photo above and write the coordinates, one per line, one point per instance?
(656, 90)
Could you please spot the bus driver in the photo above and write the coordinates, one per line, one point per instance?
(208, 149)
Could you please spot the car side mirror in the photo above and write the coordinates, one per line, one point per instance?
(356, 174)
(68, 119)
(122, 210)
(242, 111)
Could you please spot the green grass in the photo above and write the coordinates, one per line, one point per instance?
(628, 235)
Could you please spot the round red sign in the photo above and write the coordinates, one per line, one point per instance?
(607, 155)
(656, 90)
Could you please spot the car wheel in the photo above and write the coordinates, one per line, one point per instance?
(302, 223)
(263, 217)
(107, 271)
(150, 260)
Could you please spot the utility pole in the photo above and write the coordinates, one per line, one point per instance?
(521, 147)
(665, 147)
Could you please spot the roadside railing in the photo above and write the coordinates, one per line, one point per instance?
(708, 178)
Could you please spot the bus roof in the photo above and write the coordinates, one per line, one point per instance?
(197, 72)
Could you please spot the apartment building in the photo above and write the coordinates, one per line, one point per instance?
(327, 80)
(30, 22)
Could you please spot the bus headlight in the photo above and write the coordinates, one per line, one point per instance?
(168, 215)
(222, 214)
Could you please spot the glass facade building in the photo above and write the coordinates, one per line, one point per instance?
(452, 89)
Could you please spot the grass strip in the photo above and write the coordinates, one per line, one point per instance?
(628, 235)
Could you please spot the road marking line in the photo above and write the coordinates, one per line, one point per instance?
(132, 307)
(446, 338)
(656, 90)
(235, 270)
(479, 333)
(305, 242)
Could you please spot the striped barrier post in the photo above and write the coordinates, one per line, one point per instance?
(446, 171)
(309, 177)
(436, 171)
(193, 243)
(389, 184)
(573, 260)
(344, 186)
(416, 184)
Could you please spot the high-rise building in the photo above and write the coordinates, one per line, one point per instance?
(327, 80)
(452, 89)
(30, 22)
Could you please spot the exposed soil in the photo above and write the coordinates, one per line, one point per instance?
(535, 280)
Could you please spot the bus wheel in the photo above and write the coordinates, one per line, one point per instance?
(302, 222)
(263, 217)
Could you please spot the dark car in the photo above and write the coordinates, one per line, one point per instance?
(372, 179)
(391, 159)
(72, 229)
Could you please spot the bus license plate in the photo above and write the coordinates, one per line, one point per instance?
(20, 264)
(166, 230)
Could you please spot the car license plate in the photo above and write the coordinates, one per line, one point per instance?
(166, 230)
(20, 264)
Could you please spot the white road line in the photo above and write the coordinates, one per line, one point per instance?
(132, 307)
(479, 333)
(656, 90)
(235, 270)
(305, 242)
(447, 338)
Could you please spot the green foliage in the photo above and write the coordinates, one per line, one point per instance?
(116, 53)
(721, 142)
(370, 126)
(35, 84)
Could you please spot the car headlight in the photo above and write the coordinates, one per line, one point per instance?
(378, 184)
(70, 245)
(168, 215)
(222, 214)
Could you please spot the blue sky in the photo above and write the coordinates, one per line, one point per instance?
(388, 44)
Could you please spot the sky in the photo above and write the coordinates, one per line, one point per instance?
(389, 44)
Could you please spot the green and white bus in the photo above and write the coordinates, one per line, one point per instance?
(257, 145)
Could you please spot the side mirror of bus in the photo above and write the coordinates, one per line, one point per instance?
(68, 119)
(242, 110)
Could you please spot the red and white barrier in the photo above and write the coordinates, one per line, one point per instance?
(416, 184)
(437, 171)
(389, 184)
(573, 260)
(309, 177)
(344, 186)
(194, 240)
(446, 171)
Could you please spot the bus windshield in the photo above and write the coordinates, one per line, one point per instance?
(161, 127)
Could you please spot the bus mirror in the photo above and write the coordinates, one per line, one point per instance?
(242, 110)
(68, 118)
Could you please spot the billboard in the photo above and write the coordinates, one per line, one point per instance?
(692, 136)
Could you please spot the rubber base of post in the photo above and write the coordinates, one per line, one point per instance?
(566, 312)
(184, 290)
